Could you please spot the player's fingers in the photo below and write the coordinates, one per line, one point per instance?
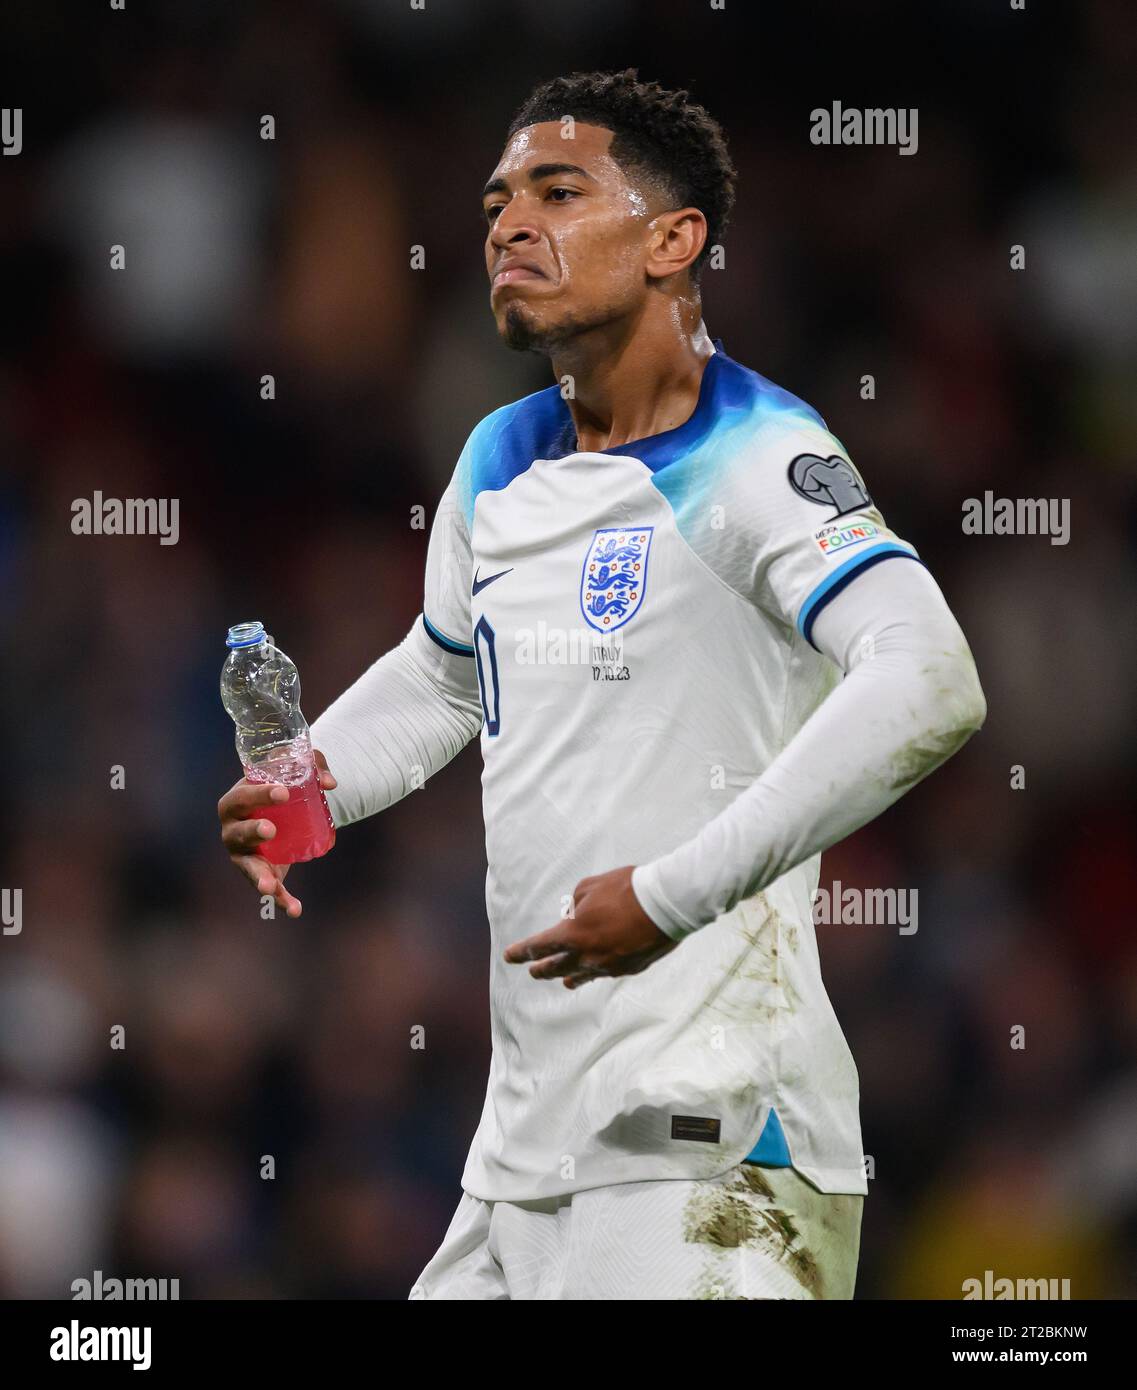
(327, 777)
(289, 901)
(267, 879)
(242, 798)
(258, 871)
(537, 947)
(243, 836)
(553, 967)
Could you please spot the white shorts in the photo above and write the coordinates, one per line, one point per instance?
(751, 1233)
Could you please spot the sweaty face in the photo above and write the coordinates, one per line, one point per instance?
(567, 236)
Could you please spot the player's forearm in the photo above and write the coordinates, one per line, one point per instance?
(408, 715)
(899, 713)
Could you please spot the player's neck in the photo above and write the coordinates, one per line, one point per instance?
(631, 388)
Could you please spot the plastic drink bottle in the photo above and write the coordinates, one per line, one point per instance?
(260, 689)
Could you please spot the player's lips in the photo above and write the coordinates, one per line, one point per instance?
(512, 272)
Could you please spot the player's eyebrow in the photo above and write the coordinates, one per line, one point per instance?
(536, 174)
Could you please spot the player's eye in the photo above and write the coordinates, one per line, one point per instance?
(494, 209)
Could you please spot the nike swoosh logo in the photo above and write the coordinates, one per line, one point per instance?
(480, 584)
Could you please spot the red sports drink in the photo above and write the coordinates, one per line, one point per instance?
(260, 689)
(304, 828)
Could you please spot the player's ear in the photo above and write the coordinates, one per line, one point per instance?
(677, 237)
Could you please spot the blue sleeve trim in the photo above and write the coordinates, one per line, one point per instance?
(444, 642)
(832, 585)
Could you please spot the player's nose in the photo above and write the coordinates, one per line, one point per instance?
(512, 229)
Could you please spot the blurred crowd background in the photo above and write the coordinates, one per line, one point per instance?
(247, 1037)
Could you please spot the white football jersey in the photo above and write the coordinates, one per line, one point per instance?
(638, 622)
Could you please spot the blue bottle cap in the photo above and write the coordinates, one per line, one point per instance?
(246, 635)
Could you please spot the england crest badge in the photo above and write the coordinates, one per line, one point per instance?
(614, 576)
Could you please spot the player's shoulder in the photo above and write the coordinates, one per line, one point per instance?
(773, 442)
(768, 404)
(764, 419)
(504, 443)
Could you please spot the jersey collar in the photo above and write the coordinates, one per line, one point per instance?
(658, 450)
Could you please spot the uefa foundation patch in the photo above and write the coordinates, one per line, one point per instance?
(834, 540)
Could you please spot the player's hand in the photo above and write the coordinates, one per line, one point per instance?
(609, 933)
(242, 832)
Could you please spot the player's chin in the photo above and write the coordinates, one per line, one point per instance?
(519, 327)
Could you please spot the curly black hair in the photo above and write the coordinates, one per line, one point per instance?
(658, 134)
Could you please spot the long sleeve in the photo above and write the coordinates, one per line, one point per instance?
(419, 705)
(909, 700)
(408, 715)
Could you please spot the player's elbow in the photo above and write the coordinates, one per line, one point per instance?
(934, 662)
(956, 704)
(976, 709)
(948, 706)
(967, 702)
(953, 701)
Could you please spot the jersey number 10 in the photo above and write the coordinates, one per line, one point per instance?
(486, 658)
